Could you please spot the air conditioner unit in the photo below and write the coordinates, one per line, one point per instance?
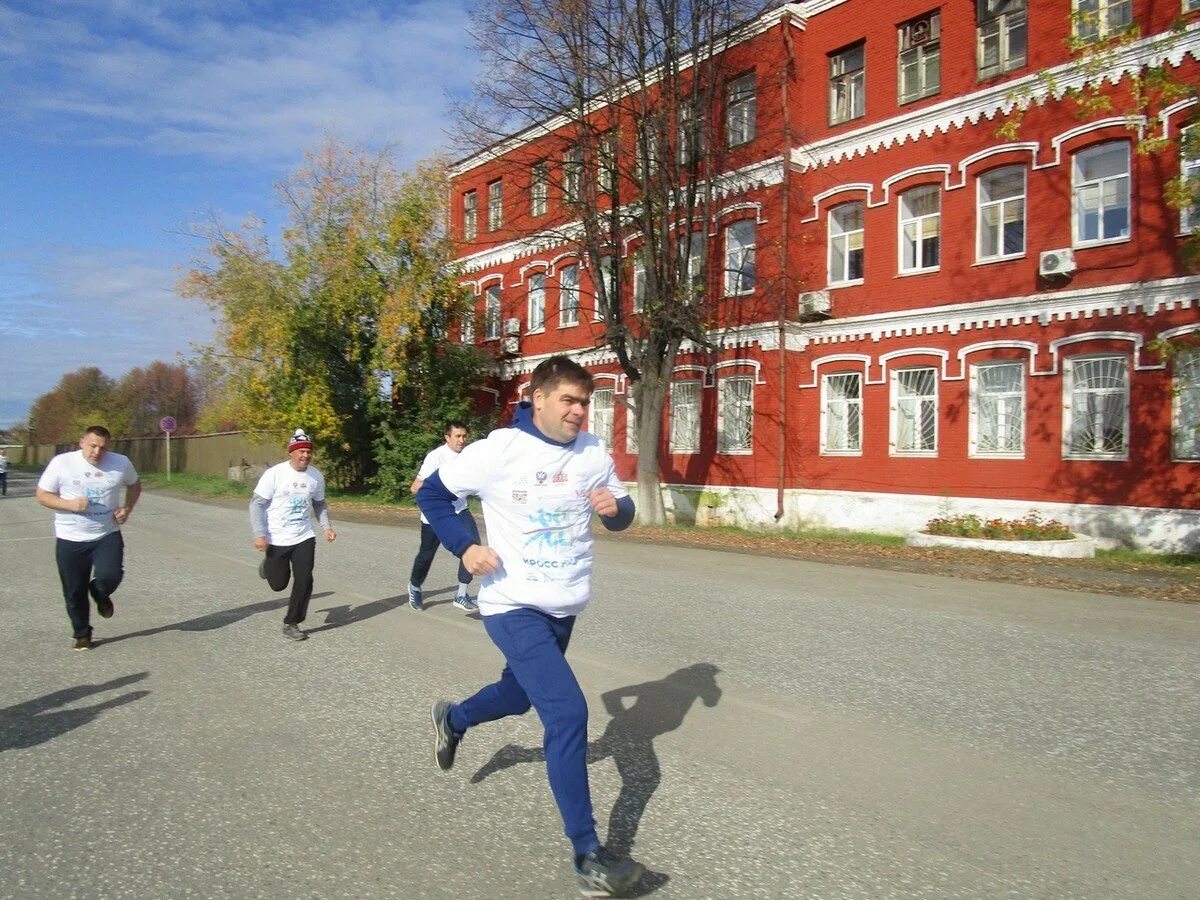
(512, 326)
(1056, 262)
(512, 346)
(816, 304)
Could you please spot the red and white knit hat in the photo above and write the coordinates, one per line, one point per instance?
(299, 441)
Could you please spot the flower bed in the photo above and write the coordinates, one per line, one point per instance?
(1031, 536)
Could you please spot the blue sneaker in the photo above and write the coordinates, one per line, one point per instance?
(414, 598)
(464, 601)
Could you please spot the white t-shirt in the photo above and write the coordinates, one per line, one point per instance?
(434, 460)
(289, 519)
(537, 515)
(3, 464)
(70, 475)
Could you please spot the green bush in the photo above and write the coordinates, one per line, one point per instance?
(1030, 528)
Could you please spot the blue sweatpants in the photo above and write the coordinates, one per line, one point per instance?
(534, 645)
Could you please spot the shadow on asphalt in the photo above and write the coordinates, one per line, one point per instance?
(346, 614)
(212, 621)
(33, 722)
(640, 713)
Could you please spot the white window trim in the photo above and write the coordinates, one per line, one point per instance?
(751, 102)
(1002, 256)
(846, 236)
(472, 232)
(973, 451)
(1007, 63)
(562, 290)
(1186, 226)
(488, 293)
(729, 273)
(529, 304)
(824, 447)
(741, 451)
(918, 270)
(894, 415)
(1102, 30)
(862, 91)
(539, 189)
(694, 448)
(920, 50)
(1177, 408)
(1067, 383)
(495, 215)
(611, 393)
(1076, 241)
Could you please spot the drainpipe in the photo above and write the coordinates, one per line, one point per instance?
(785, 239)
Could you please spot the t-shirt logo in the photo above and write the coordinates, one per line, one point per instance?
(541, 477)
(560, 477)
(520, 496)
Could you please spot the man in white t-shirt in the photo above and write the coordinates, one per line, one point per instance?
(540, 482)
(282, 525)
(455, 436)
(3, 472)
(83, 487)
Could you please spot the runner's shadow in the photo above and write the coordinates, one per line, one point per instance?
(212, 621)
(32, 722)
(640, 713)
(348, 614)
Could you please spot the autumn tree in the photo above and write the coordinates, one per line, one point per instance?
(81, 398)
(160, 389)
(627, 92)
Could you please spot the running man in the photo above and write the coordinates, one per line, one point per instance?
(540, 481)
(83, 487)
(282, 526)
(455, 438)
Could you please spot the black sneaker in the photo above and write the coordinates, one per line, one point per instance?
(445, 741)
(604, 874)
(262, 569)
(83, 643)
(104, 605)
(292, 633)
(414, 598)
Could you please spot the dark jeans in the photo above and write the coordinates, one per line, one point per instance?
(295, 561)
(4, 483)
(429, 545)
(76, 560)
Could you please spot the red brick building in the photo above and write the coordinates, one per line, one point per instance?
(925, 317)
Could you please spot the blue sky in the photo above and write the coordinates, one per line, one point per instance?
(121, 121)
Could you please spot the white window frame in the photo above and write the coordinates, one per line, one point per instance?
(847, 87)
(840, 236)
(836, 409)
(1071, 367)
(568, 296)
(685, 435)
(695, 280)
(606, 271)
(466, 326)
(600, 415)
(1079, 187)
(920, 401)
(690, 130)
(491, 315)
(1189, 171)
(725, 391)
(918, 221)
(470, 215)
(537, 303)
(1098, 20)
(1191, 6)
(572, 179)
(1002, 207)
(539, 188)
(1001, 21)
(606, 162)
(741, 110)
(1185, 405)
(737, 258)
(495, 205)
(639, 284)
(977, 397)
(920, 49)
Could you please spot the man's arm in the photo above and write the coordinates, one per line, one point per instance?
(321, 508)
(415, 486)
(132, 492)
(258, 520)
(437, 503)
(51, 500)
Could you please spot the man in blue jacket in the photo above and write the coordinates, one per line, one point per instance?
(540, 482)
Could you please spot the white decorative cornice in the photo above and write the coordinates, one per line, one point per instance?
(1000, 99)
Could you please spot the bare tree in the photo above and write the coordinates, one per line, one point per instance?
(624, 95)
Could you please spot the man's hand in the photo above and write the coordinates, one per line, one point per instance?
(121, 515)
(330, 534)
(76, 504)
(481, 560)
(603, 501)
(260, 544)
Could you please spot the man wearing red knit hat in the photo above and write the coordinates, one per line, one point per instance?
(282, 525)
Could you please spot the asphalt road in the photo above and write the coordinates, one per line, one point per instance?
(761, 728)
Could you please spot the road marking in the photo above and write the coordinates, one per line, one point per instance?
(44, 537)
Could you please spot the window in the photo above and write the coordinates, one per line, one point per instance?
(467, 325)
(631, 427)
(920, 61)
(693, 252)
(914, 411)
(647, 152)
(606, 168)
(1097, 408)
(1189, 170)
(495, 205)
(691, 129)
(846, 232)
(740, 108)
(537, 302)
(470, 216)
(1002, 41)
(739, 258)
(997, 425)
(491, 313)
(601, 412)
(846, 84)
(568, 297)
(539, 184)
(572, 174)
(920, 229)
(1191, 6)
(639, 284)
(735, 418)
(1187, 404)
(841, 414)
(1002, 213)
(1101, 188)
(685, 417)
(1101, 19)
(610, 287)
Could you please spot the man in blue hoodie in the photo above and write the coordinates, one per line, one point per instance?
(540, 482)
